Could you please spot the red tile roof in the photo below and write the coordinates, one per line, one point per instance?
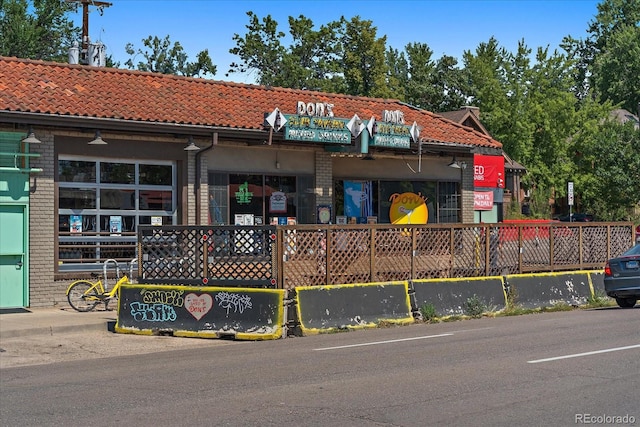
(28, 86)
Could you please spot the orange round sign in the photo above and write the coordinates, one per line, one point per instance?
(408, 208)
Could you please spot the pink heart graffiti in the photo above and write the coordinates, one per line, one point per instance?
(198, 305)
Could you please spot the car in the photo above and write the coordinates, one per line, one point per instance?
(622, 277)
(577, 217)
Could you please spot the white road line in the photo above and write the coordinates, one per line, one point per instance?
(589, 353)
(382, 342)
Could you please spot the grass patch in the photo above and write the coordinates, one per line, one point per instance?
(599, 299)
(474, 307)
(428, 312)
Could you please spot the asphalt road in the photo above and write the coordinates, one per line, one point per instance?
(563, 368)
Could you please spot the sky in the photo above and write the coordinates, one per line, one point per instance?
(447, 27)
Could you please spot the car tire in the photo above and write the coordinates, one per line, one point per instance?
(626, 302)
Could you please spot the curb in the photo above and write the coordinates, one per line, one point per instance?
(106, 326)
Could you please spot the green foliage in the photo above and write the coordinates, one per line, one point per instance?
(163, 57)
(428, 312)
(599, 299)
(474, 307)
(37, 29)
(613, 173)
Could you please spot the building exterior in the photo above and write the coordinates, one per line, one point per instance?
(511, 192)
(109, 150)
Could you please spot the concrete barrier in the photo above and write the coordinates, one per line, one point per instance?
(335, 307)
(596, 278)
(448, 296)
(204, 312)
(546, 289)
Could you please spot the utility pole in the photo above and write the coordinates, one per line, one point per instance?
(85, 21)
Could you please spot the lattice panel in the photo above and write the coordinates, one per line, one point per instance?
(393, 248)
(215, 256)
(621, 238)
(350, 256)
(169, 254)
(468, 253)
(536, 253)
(566, 242)
(594, 247)
(508, 251)
(433, 253)
(305, 258)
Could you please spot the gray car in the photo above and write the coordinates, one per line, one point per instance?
(622, 277)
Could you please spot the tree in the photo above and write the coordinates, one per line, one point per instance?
(37, 29)
(363, 60)
(616, 71)
(609, 58)
(260, 50)
(163, 57)
(610, 167)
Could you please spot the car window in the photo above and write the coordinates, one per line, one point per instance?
(633, 251)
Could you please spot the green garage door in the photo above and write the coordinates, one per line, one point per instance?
(13, 271)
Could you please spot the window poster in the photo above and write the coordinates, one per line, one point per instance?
(75, 224)
(324, 214)
(341, 219)
(278, 202)
(115, 225)
(156, 220)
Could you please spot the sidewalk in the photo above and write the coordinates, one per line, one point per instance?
(53, 321)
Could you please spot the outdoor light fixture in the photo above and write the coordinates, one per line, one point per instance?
(97, 140)
(191, 146)
(454, 163)
(31, 137)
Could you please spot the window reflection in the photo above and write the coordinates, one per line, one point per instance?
(155, 200)
(117, 199)
(76, 171)
(117, 173)
(77, 198)
(155, 174)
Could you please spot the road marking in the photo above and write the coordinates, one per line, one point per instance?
(589, 353)
(382, 342)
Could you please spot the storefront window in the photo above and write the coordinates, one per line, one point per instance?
(252, 199)
(441, 198)
(98, 213)
(77, 198)
(117, 173)
(76, 171)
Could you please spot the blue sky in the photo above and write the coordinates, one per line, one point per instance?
(447, 27)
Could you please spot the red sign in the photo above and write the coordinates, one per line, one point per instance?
(482, 200)
(488, 171)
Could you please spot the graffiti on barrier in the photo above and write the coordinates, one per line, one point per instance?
(236, 302)
(152, 312)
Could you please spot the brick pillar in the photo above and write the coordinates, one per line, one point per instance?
(324, 179)
(467, 194)
(190, 198)
(204, 191)
(42, 225)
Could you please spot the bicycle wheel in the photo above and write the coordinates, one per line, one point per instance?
(83, 296)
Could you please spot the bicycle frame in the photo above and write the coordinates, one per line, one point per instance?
(98, 286)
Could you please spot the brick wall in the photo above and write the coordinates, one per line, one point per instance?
(467, 194)
(43, 291)
(324, 178)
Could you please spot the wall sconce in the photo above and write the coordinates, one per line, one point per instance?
(454, 164)
(97, 140)
(191, 145)
(31, 137)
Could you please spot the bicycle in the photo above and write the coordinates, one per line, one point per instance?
(84, 295)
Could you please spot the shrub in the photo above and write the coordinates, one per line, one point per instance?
(428, 312)
(474, 307)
